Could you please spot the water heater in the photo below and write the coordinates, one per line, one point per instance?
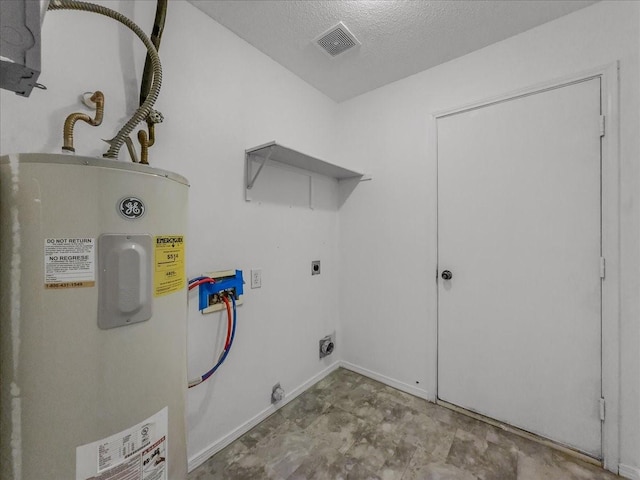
(93, 319)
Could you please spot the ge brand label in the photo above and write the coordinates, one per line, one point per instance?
(131, 208)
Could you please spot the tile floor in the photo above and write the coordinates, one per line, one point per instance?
(351, 427)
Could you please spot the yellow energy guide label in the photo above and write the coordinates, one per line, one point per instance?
(169, 274)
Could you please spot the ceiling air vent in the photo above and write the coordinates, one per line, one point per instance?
(336, 40)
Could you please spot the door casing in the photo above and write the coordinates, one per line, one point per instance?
(610, 243)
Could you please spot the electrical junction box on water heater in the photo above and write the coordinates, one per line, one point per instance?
(93, 319)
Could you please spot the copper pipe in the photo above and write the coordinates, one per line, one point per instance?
(147, 141)
(69, 123)
(143, 111)
(144, 147)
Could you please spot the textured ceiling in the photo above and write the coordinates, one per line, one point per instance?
(399, 37)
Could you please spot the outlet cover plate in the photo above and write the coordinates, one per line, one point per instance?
(256, 278)
(315, 267)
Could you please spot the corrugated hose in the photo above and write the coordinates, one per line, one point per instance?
(143, 111)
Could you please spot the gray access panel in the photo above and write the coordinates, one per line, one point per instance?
(124, 280)
(20, 22)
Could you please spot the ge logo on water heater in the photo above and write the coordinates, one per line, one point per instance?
(131, 207)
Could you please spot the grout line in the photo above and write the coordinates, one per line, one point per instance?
(203, 456)
(521, 433)
(425, 395)
(406, 467)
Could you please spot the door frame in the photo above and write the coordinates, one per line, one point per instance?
(610, 218)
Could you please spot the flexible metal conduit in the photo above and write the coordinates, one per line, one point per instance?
(156, 37)
(116, 142)
(147, 141)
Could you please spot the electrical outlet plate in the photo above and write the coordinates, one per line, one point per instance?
(315, 267)
(224, 278)
(256, 278)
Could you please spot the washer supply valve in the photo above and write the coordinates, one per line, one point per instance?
(227, 283)
(217, 291)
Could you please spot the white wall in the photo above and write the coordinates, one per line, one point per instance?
(387, 227)
(219, 97)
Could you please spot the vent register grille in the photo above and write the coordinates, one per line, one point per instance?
(336, 40)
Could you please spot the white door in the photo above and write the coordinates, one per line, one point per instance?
(519, 322)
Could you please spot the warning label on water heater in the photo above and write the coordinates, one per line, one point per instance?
(137, 453)
(69, 262)
(168, 274)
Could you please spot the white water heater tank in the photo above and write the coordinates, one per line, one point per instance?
(93, 319)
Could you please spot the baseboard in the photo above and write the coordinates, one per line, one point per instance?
(626, 471)
(405, 387)
(204, 455)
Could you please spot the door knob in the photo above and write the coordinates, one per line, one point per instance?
(447, 275)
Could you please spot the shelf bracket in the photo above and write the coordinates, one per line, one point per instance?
(279, 156)
(251, 181)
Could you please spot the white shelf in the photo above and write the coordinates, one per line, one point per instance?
(273, 152)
